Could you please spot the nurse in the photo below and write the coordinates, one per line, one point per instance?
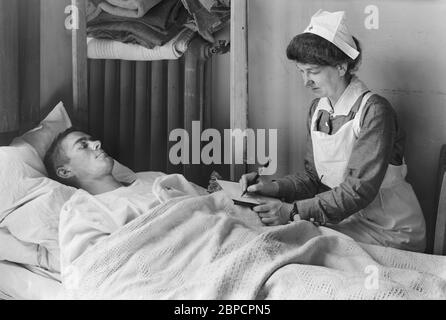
(354, 178)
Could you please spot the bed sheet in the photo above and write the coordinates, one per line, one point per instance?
(19, 282)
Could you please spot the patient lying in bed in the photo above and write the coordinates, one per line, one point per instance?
(162, 241)
(102, 205)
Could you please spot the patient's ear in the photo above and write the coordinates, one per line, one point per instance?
(64, 172)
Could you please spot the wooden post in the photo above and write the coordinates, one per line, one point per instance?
(239, 79)
(440, 226)
(80, 75)
(192, 91)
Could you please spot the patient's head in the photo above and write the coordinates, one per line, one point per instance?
(75, 158)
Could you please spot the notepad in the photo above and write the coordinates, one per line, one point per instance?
(233, 190)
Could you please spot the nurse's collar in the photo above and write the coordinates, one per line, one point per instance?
(343, 106)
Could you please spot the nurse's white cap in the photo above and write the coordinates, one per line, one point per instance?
(331, 26)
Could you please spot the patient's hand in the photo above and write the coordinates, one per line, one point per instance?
(273, 212)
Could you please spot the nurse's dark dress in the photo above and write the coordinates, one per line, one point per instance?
(354, 172)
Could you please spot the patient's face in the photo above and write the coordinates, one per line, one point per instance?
(87, 159)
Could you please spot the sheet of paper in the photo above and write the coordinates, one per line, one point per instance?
(234, 191)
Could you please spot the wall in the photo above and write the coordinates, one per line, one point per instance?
(403, 61)
(29, 57)
(9, 66)
(55, 56)
(37, 48)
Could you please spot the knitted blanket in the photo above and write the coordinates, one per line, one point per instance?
(204, 247)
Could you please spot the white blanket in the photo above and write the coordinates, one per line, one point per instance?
(204, 247)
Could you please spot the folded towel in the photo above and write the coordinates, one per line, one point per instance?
(128, 8)
(110, 49)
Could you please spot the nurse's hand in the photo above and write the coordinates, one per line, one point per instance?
(273, 212)
(254, 185)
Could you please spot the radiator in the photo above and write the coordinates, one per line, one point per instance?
(133, 106)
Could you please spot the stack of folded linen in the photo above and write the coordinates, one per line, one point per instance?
(150, 29)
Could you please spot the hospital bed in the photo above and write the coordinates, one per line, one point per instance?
(22, 281)
(420, 273)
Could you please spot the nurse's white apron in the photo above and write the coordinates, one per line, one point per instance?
(394, 218)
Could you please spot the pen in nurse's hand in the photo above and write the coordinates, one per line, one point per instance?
(256, 177)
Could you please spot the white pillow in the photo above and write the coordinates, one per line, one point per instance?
(30, 202)
(44, 134)
(29, 208)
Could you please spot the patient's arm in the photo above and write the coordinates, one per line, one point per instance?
(83, 223)
(14, 250)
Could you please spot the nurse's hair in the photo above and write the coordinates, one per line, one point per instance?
(310, 48)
